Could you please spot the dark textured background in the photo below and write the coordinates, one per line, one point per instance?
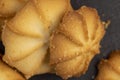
(111, 41)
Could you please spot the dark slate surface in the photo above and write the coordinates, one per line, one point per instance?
(111, 41)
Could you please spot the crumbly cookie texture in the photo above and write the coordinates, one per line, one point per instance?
(109, 69)
(10, 7)
(76, 41)
(26, 36)
(7, 73)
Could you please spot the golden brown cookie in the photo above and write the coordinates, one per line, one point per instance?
(109, 69)
(76, 41)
